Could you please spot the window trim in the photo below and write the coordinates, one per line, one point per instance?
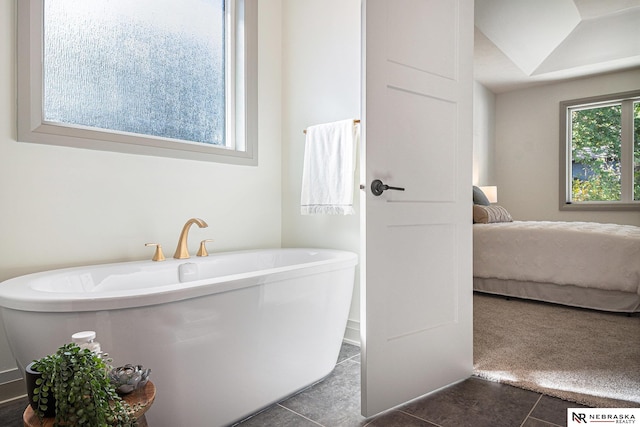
(32, 128)
(565, 172)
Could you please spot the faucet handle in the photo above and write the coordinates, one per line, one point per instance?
(203, 248)
(158, 255)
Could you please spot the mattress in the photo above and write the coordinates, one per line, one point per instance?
(581, 254)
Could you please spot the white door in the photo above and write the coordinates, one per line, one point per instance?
(416, 325)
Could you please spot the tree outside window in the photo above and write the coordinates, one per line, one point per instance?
(636, 151)
(600, 152)
(595, 153)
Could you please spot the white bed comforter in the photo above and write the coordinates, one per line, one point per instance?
(592, 255)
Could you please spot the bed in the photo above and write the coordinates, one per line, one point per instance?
(581, 264)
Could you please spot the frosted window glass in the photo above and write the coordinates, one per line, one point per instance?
(150, 67)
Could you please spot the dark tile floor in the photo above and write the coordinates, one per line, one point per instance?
(335, 402)
(11, 413)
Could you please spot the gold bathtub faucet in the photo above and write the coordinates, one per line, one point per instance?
(182, 251)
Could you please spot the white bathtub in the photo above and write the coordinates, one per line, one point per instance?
(242, 331)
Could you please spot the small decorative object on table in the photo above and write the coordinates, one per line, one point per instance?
(128, 378)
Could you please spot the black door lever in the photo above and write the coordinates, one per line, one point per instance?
(378, 187)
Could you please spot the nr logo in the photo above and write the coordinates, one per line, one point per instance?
(579, 418)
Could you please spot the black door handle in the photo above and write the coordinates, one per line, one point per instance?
(378, 187)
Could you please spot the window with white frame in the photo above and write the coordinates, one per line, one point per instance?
(600, 153)
(172, 78)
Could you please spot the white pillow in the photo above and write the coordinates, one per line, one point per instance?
(490, 214)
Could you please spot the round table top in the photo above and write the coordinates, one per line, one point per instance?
(140, 399)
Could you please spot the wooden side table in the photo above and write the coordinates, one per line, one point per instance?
(143, 397)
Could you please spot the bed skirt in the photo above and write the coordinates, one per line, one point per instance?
(575, 296)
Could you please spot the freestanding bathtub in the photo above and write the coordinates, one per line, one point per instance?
(224, 335)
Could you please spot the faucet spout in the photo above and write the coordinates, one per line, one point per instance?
(182, 250)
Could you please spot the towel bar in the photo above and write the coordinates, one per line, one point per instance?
(355, 121)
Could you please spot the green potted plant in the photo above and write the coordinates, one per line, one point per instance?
(78, 381)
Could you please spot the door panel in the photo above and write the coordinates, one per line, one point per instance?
(406, 312)
(422, 126)
(408, 32)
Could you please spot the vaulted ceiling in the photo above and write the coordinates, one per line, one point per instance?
(521, 43)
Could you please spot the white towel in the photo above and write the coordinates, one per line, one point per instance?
(329, 167)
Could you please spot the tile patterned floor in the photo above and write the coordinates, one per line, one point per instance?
(335, 402)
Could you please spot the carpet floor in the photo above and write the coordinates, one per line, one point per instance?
(584, 356)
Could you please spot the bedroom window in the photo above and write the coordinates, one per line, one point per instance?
(600, 153)
(174, 78)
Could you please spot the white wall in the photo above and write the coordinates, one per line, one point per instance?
(484, 135)
(527, 148)
(65, 206)
(321, 83)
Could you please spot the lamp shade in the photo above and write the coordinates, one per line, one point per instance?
(491, 191)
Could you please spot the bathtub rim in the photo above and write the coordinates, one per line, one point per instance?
(13, 295)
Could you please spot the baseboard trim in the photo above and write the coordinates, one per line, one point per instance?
(10, 375)
(12, 390)
(352, 332)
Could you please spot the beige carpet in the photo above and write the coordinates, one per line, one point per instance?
(583, 356)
